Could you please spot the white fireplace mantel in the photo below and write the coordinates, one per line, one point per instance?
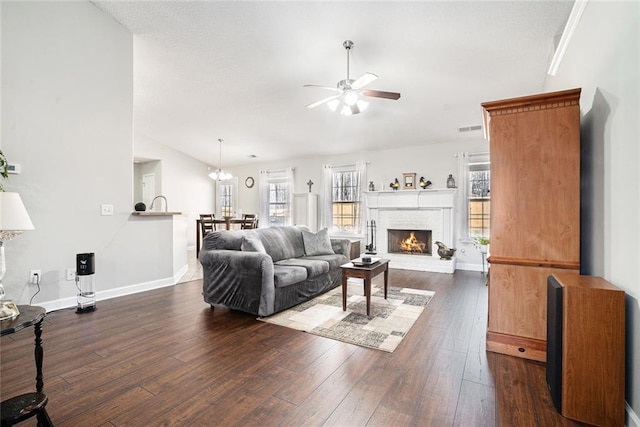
(411, 199)
(431, 209)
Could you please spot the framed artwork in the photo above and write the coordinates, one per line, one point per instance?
(408, 181)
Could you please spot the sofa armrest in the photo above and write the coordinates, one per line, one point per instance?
(239, 280)
(341, 246)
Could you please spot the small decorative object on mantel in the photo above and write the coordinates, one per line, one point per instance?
(424, 184)
(445, 252)
(395, 185)
(408, 181)
(451, 183)
(372, 187)
(310, 184)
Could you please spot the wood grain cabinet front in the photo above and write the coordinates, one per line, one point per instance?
(535, 213)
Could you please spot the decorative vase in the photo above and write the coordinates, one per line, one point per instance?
(444, 251)
(451, 183)
(371, 186)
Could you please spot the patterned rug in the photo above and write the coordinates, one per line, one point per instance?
(388, 324)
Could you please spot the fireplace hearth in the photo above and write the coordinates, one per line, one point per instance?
(414, 242)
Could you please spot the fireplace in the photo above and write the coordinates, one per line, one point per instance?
(415, 242)
(419, 211)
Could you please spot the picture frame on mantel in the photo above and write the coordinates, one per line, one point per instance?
(409, 181)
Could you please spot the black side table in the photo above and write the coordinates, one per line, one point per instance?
(19, 408)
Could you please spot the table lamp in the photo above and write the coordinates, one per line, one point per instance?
(14, 219)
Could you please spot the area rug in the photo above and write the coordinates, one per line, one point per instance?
(390, 319)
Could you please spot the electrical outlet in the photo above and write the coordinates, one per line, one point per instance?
(71, 274)
(35, 277)
(106, 210)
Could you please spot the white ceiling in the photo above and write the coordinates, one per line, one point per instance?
(235, 70)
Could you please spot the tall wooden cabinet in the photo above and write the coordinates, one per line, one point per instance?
(535, 213)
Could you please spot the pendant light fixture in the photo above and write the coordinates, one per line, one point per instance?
(219, 174)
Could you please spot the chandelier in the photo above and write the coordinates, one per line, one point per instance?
(219, 174)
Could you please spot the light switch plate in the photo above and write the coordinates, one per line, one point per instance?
(106, 210)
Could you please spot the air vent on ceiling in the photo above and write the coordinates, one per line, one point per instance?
(469, 128)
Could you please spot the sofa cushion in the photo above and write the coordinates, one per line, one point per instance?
(314, 267)
(317, 243)
(285, 275)
(252, 244)
(334, 261)
(281, 242)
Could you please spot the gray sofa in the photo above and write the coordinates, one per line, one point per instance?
(264, 271)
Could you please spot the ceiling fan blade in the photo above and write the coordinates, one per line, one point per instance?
(380, 94)
(364, 80)
(324, 101)
(335, 89)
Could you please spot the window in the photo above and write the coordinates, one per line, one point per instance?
(478, 193)
(227, 199)
(278, 195)
(345, 210)
(276, 192)
(342, 205)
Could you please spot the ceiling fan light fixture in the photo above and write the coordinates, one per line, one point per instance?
(347, 111)
(348, 99)
(351, 98)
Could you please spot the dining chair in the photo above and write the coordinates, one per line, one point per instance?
(249, 221)
(207, 225)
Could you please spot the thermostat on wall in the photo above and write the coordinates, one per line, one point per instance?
(14, 168)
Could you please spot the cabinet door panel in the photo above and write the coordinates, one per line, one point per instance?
(535, 185)
(518, 298)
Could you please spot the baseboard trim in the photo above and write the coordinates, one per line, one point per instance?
(632, 419)
(69, 302)
(470, 267)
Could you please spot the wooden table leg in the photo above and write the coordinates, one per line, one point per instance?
(367, 292)
(39, 355)
(198, 237)
(386, 280)
(344, 291)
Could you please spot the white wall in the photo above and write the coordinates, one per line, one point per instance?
(185, 181)
(433, 161)
(602, 59)
(67, 108)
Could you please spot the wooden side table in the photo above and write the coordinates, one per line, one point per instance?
(367, 273)
(19, 408)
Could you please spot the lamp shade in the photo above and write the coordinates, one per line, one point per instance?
(13, 215)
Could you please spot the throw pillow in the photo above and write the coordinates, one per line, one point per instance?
(252, 244)
(317, 243)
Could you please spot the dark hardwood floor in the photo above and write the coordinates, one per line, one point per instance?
(163, 357)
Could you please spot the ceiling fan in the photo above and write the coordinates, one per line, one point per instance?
(347, 100)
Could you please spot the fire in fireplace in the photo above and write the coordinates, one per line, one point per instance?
(409, 241)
